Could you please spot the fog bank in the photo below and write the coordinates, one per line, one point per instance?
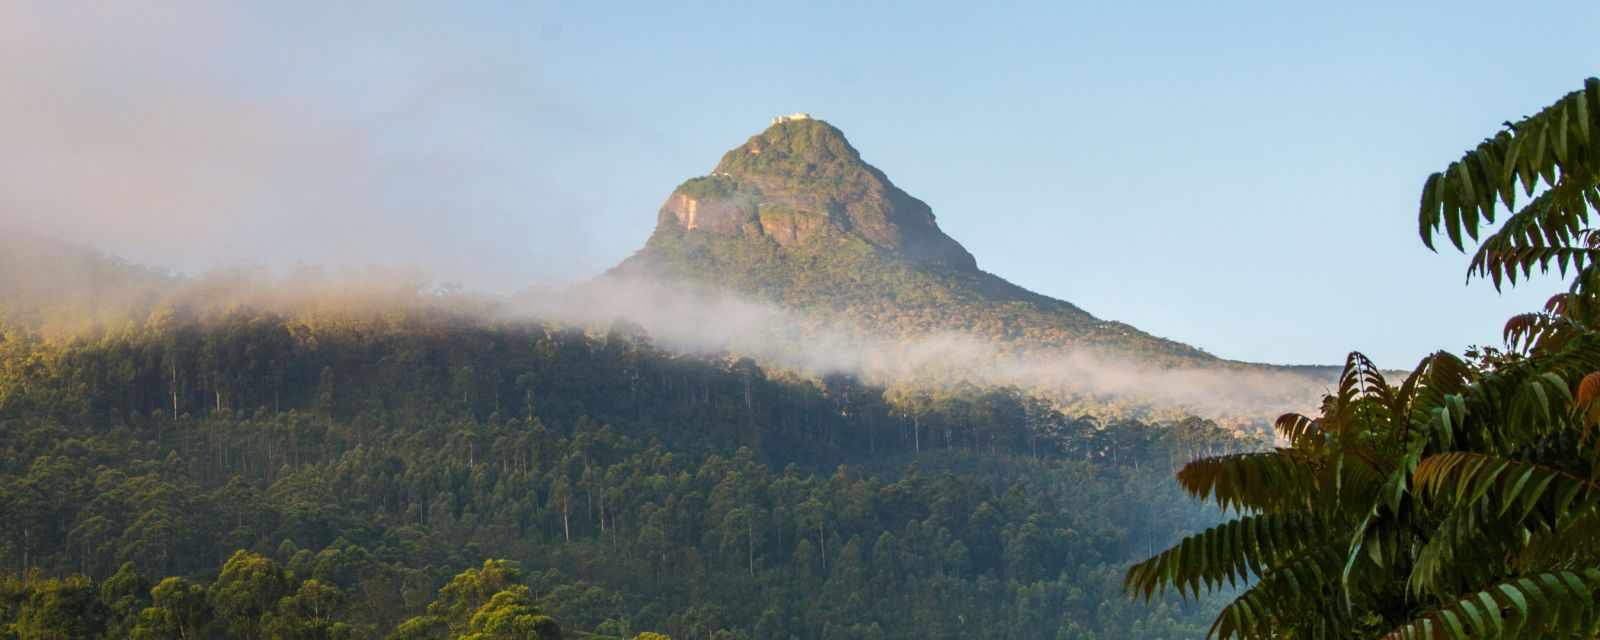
(689, 318)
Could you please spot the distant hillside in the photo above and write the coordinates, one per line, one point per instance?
(795, 216)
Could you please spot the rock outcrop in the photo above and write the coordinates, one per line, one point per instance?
(800, 179)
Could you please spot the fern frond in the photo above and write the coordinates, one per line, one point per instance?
(1550, 234)
(1575, 541)
(1556, 146)
(1266, 481)
(1539, 332)
(1299, 430)
(1543, 605)
(1232, 552)
(1262, 611)
(1516, 487)
(1459, 550)
(1362, 378)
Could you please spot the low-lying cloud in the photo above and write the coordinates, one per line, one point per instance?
(64, 290)
(690, 318)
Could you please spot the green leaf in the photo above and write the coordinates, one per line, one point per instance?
(1540, 159)
(1581, 106)
(1428, 212)
(1468, 194)
(1473, 616)
(1450, 620)
(1561, 135)
(1493, 609)
(1516, 598)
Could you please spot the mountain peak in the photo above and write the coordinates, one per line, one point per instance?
(801, 181)
(794, 144)
(794, 216)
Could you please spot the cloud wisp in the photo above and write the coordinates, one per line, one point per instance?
(688, 318)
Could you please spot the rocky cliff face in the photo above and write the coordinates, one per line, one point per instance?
(801, 179)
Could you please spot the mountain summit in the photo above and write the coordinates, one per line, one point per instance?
(796, 217)
(801, 179)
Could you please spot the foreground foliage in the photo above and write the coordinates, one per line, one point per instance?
(1464, 500)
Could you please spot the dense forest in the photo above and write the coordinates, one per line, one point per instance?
(416, 472)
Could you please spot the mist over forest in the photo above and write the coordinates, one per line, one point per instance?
(83, 291)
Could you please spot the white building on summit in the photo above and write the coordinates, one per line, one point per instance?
(798, 115)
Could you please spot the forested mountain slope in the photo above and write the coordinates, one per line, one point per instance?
(358, 460)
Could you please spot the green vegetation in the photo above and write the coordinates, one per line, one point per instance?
(799, 148)
(780, 213)
(409, 472)
(706, 187)
(1463, 502)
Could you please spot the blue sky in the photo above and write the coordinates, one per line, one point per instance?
(1238, 176)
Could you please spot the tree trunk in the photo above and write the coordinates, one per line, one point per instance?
(822, 542)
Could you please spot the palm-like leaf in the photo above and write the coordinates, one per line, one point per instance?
(1464, 502)
(1230, 553)
(1276, 602)
(1266, 481)
(1550, 233)
(1573, 542)
(1457, 551)
(1543, 605)
(1518, 490)
(1555, 148)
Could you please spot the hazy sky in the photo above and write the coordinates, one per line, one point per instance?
(1242, 177)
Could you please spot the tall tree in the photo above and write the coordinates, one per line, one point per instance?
(178, 609)
(248, 589)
